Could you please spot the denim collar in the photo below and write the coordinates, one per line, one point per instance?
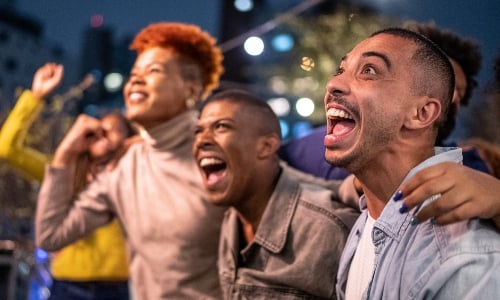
(391, 222)
(275, 223)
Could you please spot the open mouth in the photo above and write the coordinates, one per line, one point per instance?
(135, 97)
(213, 168)
(340, 122)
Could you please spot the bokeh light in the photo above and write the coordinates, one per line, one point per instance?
(254, 45)
(285, 128)
(280, 106)
(301, 129)
(113, 82)
(277, 84)
(307, 63)
(243, 5)
(96, 20)
(305, 107)
(282, 42)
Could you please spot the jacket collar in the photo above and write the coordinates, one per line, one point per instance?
(275, 223)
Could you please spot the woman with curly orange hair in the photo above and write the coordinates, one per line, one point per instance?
(155, 189)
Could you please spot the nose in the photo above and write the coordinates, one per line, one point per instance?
(336, 86)
(135, 77)
(203, 139)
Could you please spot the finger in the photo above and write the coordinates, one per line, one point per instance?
(437, 209)
(458, 214)
(426, 190)
(420, 178)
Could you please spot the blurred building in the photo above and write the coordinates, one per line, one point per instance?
(22, 50)
(109, 61)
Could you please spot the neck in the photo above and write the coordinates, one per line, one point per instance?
(381, 178)
(251, 210)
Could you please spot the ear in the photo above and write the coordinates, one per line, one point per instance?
(193, 90)
(423, 114)
(268, 145)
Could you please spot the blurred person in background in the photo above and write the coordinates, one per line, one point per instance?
(94, 267)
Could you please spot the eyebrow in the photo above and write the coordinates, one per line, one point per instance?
(373, 53)
(380, 55)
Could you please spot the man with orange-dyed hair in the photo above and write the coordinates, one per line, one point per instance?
(155, 190)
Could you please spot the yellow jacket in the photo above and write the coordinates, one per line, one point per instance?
(101, 255)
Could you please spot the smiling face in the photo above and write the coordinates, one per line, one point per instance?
(226, 150)
(156, 92)
(113, 133)
(367, 100)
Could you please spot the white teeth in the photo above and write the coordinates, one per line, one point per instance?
(338, 113)
(136, 96)
(208, 161)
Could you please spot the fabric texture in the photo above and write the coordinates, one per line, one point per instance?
(296, 248)
(427, 261)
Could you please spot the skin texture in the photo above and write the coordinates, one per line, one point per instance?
(156, 90)
(46, 79)
(112, 135)
(465, 193)
(374, 72)
(247, 154)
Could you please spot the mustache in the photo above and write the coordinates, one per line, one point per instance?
(340, 100)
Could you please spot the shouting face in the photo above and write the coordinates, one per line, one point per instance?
(366, 101)
(226, 150)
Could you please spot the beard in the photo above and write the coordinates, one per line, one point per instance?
(370, 145)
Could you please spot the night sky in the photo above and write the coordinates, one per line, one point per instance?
(65, 20)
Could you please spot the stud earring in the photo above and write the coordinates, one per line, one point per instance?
(190, 103)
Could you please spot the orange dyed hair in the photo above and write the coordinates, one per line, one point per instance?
(189, 41)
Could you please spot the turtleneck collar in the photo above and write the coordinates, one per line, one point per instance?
(173, 132)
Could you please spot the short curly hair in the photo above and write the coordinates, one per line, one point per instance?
(189, 41)
(465, 51)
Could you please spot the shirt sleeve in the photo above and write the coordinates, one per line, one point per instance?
(62, 219)
(28, 161)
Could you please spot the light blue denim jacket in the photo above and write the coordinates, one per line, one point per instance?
(457, 261)
(296, 248)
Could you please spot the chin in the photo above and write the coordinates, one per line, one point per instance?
(218, 199)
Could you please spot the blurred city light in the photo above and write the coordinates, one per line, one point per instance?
(305, 107)
(277, 84)
(301, 129)
(243, 5)
(282, 42)
(285, 128)
(307, 63)
(96, 20)
(280, 106)
(254, 46)
(113, 82)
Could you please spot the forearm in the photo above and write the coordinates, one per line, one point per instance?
(60, 219)
(13, 133)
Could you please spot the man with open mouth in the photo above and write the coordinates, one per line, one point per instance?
(383, 109)
(281, 238)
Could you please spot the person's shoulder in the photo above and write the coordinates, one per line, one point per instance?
(475, 236)
(321, 202)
